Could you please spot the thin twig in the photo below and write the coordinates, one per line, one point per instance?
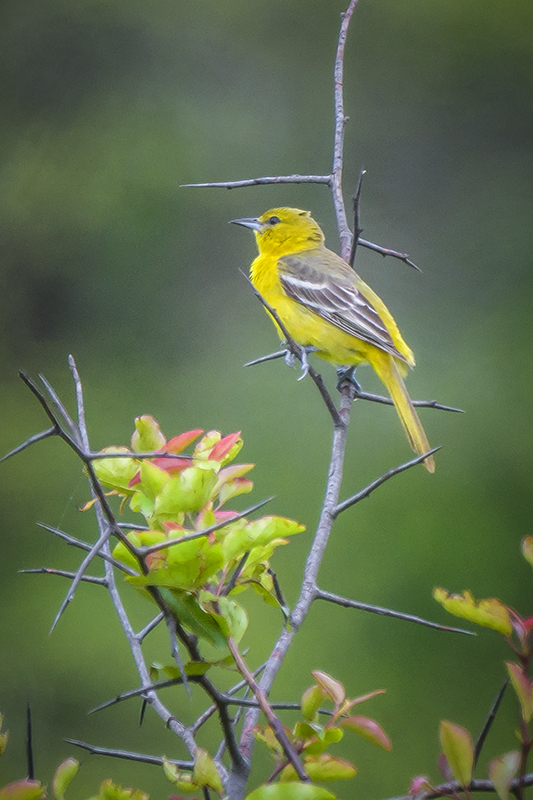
(351, 501)
(357, 230)
(62, 573)
(386, 612)
(386, 401)
(273, 720)
(141, 757)
(489, 722)
(259, 182)
(453, 787)
(150, 627)
(85, 546)
(29, 744)
(38, 437)
(154, 548)
(385, 251)
(61, 409)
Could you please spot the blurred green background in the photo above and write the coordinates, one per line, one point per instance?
(106, 108)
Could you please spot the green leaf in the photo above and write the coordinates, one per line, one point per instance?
(23, 790)
(188, 491)
(322, 768)
(205, 772)
(295, 790)
(332, 688)
(312, 699)
(191, 668)
(153, 479)
(116, 473)
(527, 549)
(502, 770)
(368, 729)
(235, 616)
(147, 437)
(489, 613)
(183, 780)
(111, 791)
(63, 776)
(523, 689)
(330, 736)
(189, 613)
(458, 748)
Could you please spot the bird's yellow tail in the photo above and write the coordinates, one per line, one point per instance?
(387, 370)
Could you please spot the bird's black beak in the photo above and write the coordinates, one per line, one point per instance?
(247, 222)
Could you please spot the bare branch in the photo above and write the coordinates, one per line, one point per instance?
(273, 720)
(351, 501)
(260, 182)
(489, 721)
(386, 401)
(338, 147)
(84, 546)
(61, 409)
(386, 612)
(38, 437)
(261, 360)
(357, 230)
(384, 251)
(150, 627)
(453, 787)
(144, 759)
(63, 574)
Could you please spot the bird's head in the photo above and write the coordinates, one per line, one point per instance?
(281, 231)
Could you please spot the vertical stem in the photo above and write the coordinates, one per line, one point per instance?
(338, 148)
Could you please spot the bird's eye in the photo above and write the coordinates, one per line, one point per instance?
(273, 220)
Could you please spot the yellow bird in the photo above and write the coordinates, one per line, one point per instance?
(328, 309)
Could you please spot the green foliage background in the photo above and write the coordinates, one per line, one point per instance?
(106, 108)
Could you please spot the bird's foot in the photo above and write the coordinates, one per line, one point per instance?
(347, 374)
(305, 363)
(289, 358)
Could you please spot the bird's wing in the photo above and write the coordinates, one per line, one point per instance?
(330, 291)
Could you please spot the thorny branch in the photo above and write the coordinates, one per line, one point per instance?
(260, 681)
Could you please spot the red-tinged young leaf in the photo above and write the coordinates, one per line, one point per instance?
(321, 768)
(419, 785)
(295, 790)
(23, 790)
(527, 549)
(172, 465)
(205, 773)
(362, 699)
(222, 516)
(234, 488)
(312, 699)
(523, 689)
(489, 613)
(63, 776)
(444, 768)
(528, 624)
(227, 448)
(178, 443)
(332, 688)
(502, 770)
(368, 729)
(147, 437)
(458, 748)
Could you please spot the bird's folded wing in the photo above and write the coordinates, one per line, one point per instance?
(334, 296)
